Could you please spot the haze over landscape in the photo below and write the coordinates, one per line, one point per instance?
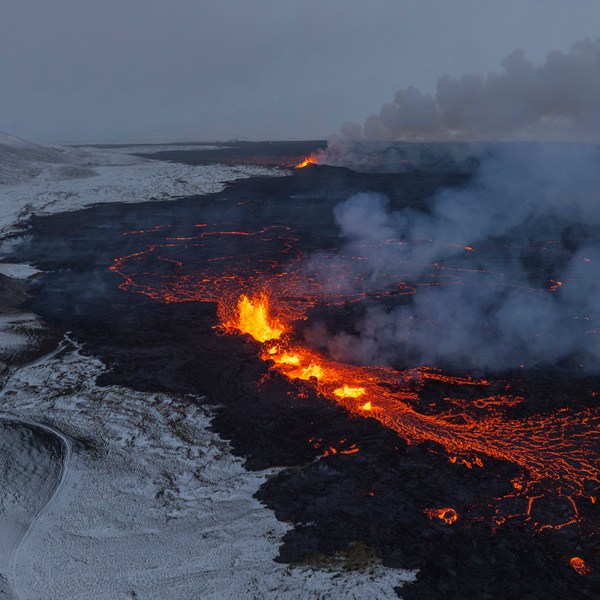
(148, 69)
(299, 300)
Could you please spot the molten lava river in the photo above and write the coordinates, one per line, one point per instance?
(263, 289)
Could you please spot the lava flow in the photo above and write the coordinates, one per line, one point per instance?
(309, 160)
(559, 449)
(448, 515)
(579, 566)
(253, 317)
(264, 293)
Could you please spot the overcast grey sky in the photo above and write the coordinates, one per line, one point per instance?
(85, 70)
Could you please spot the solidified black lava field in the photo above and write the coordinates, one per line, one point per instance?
(373, 498)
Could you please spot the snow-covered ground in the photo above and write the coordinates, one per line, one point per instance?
(18, 271)
(17, 330)
(154, 505)
(151, 504)
(39, 180)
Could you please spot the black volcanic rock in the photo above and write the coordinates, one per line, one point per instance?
(374, 498)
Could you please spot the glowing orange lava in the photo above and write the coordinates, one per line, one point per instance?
(448, 515)
(349, 392)
(252, 316)
(309, 160)
(264, 296)
(359, 389)
(580, 566)
(287, 359)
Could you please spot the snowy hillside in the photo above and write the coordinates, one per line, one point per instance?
(27, 150)
(22, 161)
(40, 180)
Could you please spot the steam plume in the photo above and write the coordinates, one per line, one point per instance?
(558, 99)
(507, 308)
(513, 257)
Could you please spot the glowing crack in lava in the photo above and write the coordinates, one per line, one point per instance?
(580, 566)
(263, 292)
(448, 515)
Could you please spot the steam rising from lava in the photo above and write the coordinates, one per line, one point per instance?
(253, 316)
(386, 394)
(557, 99)
(556, 452)
(523, 299)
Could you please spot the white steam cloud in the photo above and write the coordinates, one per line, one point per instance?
(558, 99)
(506, 269)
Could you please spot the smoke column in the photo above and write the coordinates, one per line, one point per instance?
(514, 255)
(556, 100)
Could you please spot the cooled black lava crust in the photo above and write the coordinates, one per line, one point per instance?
(375, 496)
